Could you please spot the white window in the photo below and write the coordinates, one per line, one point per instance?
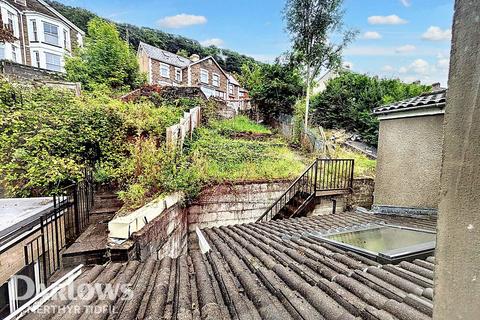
(53, 62)
(216, 80)
(165, 70)
(36, 54)
(2, 51)
(178, 74)
(11, 23)
(203, 76)
(65, 39)
(51, 33)
(34, 30)
(230, 89)
(241, 94)
(14, 53)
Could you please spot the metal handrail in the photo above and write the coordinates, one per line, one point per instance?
(289, 189)
(327, 175)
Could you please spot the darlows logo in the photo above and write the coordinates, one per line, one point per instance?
(83, 293)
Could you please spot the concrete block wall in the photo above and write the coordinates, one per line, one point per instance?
(233, 204)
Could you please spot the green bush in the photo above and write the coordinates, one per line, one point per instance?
(348, 101)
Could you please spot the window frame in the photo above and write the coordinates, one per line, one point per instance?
(36, 53)
(231, 89)
(48, 34)
(47, 64)
(216, 82)
(65, 39)
(14, 53)
(34, 30)
(178, 74)
(162, 66)
(204, 72)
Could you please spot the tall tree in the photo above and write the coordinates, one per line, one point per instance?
(105, 59)
(313, 25)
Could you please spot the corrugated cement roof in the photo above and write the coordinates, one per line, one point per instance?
(426, 100)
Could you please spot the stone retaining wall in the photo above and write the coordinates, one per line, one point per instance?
(166, 235)
(233, 204)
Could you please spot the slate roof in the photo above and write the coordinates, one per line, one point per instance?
(431, 99)
(269, 270)
(165, 56)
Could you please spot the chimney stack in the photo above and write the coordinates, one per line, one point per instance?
(194, 57)
(436, 86)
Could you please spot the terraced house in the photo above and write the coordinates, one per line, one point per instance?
(169, 69)
(43, 36)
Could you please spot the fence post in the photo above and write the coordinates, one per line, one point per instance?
(315, 181)
(351, 174)
(75, 209)
(44, 255)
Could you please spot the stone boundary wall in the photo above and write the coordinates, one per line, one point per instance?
(362, 195)
(165, 236)
(233, 204)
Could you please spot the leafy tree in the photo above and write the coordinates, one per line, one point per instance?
(348, 101)
(274, 88)
(106, 59)
(183, 53)
(6, 35)
(310, 24)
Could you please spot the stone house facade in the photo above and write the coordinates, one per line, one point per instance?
(169, 69)
(43, 36)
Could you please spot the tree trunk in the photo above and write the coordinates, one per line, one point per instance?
(307, 98)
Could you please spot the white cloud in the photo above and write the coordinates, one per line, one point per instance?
(406, 48)
(391, 19)
(434, 33)
(388, 68)
(181, 21)
(443, 63)
(212, 42)
(371, 35)
(419, 66)
(266, 58)
(406, 3)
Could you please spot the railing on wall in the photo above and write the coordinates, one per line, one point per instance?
(61, 226)
(324, 177)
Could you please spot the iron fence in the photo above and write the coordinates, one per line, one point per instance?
(60, 227)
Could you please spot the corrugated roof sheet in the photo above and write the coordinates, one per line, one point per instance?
(165, 56)
(437, 98)
(271, 270)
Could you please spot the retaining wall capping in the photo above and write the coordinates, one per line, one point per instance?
(123, 226)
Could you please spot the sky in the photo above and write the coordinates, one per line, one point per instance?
(406, 39)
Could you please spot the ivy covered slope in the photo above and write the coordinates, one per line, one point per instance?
(48, 136)
(232, 62)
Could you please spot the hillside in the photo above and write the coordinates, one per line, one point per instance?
(231, 62)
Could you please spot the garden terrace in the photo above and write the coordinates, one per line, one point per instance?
(269, 270)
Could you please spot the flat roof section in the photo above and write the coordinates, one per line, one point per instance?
(18, 212)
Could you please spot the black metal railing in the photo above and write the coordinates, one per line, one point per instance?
(328, 176)
(58, 228)
(335, 174)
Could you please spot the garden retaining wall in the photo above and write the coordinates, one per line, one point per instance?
(229, 204)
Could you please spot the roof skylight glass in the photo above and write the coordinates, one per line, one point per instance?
(386, 244)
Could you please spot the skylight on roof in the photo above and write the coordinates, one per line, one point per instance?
(386, 243)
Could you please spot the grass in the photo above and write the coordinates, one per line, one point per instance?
(240, 124)
(220, 158)
(364, 167)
